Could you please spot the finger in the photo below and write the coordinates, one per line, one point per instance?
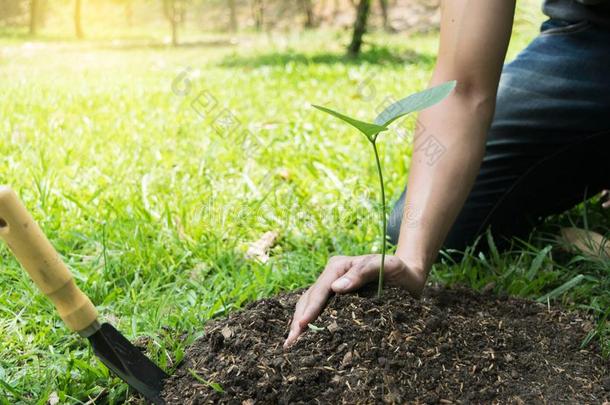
(308, 311)
(295, 329)
(606, 194)
(335, 268)
(358, 275)
(315, 304)
(312, 302)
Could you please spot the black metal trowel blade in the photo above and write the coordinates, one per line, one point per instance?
(128, 363)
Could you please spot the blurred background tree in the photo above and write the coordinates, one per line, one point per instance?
(258, 13)
(34, 6)
(233, 24)
(384, 14)
(179, 20)
(360, 24)
(308, 10)
(175, 13)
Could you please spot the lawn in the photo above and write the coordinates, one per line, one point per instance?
(151, 169)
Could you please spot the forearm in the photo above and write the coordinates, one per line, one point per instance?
(447, 152)
(474, 38)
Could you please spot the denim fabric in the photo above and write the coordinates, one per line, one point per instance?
(596, 11)
(549, 144)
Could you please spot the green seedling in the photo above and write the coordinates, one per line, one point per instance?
(315, 328)
(213, 385)
(412, 103)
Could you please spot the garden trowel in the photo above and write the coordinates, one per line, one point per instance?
(45, 267)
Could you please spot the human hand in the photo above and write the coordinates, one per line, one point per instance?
(344, 274)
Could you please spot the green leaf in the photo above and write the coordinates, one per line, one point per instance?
(561, 289)
(493, 249)
(537, 262)
(9, 388)
(217, 387)
(314, 327)
(368, 129)
(214, 385)
(415, 102)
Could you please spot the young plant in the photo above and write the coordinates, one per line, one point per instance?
(412, 103)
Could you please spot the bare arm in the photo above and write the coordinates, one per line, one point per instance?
(474, 38)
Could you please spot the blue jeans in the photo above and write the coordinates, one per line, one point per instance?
(549, 144)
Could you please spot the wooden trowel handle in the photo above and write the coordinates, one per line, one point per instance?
(42, 262)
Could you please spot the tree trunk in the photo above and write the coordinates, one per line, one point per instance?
(170, 11)
(307, 6)
(359, 27)
(384, 13)
(77, 19)
(233, 16)
(258, 9)
(34, 7)
(337, 8)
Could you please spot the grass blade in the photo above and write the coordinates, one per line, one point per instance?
(537, 262)
(215, 386)
(561, 289)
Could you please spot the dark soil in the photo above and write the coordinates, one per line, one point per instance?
(452, 346)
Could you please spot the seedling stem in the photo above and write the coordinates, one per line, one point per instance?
(415, 102)
(384, 221)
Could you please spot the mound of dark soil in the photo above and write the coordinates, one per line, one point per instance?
(452, 346)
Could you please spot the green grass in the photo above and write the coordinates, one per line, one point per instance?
(153, 206)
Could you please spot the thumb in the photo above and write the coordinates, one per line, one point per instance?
(356, 277)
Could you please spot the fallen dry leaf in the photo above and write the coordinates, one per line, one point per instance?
(333, 327)
(53, 398)
(259, 250)
(226, 332)
(347, 359)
